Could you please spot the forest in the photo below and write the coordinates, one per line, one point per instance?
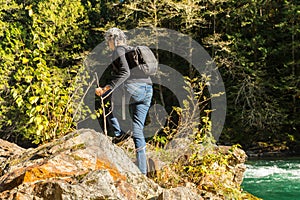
(254, 43)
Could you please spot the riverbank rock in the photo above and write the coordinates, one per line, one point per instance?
(233, 171)
(225, 175)
(270, 150)
(236, 165)
(179, 193)
(82, 165)
(7, 150)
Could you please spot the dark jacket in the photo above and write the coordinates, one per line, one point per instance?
(124, 71)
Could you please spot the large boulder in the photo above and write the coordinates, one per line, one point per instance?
(82, 165)
(86, 165)
(8, 150)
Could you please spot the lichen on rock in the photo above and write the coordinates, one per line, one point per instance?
(86, 165)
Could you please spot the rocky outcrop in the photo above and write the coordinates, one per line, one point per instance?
(232, 172)
(225, 175)
(7, 150)
(81, 165)
(268, 150)
(179, 193)
(86, 165)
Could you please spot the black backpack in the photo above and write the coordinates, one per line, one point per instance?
(143, 58)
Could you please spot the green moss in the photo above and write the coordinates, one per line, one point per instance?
(77, 147)
(76, 157)
(80, 177)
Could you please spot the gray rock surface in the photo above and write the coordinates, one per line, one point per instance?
(179, 193)
(85, 165)
(8, 150)
(82, 165)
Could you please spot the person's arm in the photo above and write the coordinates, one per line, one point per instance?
(122, 72)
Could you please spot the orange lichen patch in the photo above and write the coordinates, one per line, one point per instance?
(41, 173)
(86, 163)
(102, 164)
(12, 180)
(50, 171)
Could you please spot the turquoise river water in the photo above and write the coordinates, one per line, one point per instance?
(273, 179)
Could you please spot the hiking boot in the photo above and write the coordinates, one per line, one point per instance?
(121, 138)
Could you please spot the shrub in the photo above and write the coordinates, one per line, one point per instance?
(41, 49)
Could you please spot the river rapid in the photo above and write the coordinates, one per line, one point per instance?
(273, 179)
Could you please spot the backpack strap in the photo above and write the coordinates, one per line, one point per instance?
(123, 103)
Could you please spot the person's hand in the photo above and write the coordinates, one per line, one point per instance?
(100, 91)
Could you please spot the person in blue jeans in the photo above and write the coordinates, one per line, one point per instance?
(139, 87)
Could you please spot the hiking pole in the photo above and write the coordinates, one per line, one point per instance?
(104, 116)
(102, 98)
(104, 112)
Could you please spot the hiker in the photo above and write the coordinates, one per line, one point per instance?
(139, 89)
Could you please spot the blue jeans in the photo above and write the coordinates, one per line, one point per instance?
(139, 104)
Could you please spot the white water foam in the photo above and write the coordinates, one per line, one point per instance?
(287, 172)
